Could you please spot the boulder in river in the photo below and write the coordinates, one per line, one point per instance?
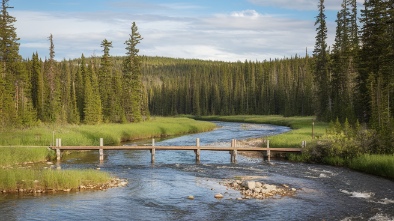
(218, 196)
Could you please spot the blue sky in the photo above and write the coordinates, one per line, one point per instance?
(227, 30)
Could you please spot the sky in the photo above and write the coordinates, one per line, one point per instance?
(223, 30)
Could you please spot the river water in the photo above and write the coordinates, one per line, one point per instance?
(159, 191)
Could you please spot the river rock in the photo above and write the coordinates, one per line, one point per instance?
(257, 190)
(218, 196)
(123, 183)
(249, 184)
(267, 188)
(259, 185)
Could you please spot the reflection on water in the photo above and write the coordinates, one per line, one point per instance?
(159, 191)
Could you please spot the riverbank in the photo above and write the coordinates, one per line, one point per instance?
(303, 128)
(21, 149)
(114, 134)
(315, 133)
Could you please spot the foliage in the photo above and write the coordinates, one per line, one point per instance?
(19, 155)
(14, 179)
(185, 86)
(321, 69)
(381, 165)
(111, 133)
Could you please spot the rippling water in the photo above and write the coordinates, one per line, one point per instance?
(159, 191)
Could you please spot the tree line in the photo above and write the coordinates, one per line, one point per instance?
(84, 90)
(180, 86)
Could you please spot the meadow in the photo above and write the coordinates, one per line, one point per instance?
(114, 134)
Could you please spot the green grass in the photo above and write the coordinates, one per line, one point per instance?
(381, 165)
(17, 155)
(301, 127)
(14, 179)
(111, 133)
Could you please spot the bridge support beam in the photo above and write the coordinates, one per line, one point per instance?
(268, 151)
(101, 151)
(152, 152)
(58, 144)
(234, 152)
(197, 151)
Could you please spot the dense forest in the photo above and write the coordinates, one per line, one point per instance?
(351, 80)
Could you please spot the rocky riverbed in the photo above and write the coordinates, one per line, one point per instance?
(251, 189)
(115, 182)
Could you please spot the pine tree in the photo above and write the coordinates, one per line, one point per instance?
(343, 61)
(37, 81)
(105, 80)
(52, 101)
(132, 78)
(321, 72)
(92, 102)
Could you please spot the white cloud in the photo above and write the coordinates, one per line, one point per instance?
(302, 5)
(246, 14)
(289, 4)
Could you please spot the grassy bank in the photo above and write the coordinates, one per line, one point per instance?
(14, 176)
(301, 127)
(18, 155)
(112, 133)
(380, 165)
(13, 180)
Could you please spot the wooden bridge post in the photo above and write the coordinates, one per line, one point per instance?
(233, 153)
(197, 151)
(268, 151)
(101, 151)
(152, 151)
(58, 144)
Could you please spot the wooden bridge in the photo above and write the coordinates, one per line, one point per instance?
(233, 149)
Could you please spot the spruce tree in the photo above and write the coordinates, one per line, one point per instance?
(132, 78)
(105, 80)
(343, 62)
(321, 69)
(52, 101)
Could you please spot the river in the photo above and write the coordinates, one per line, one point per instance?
(159, 191)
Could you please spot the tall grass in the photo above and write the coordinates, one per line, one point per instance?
(381, 165)
(14, 179)
(16, 155)
(112, 133)
(301, 127)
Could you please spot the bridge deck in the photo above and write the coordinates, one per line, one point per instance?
(233, 149)
(209, 148)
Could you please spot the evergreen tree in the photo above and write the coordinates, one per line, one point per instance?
(52, 101)
(92, 105)
(132, 79)
(343, 61)
(321, 69)
(105, 80)
(37, 81)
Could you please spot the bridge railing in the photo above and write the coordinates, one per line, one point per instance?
(233, 149)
